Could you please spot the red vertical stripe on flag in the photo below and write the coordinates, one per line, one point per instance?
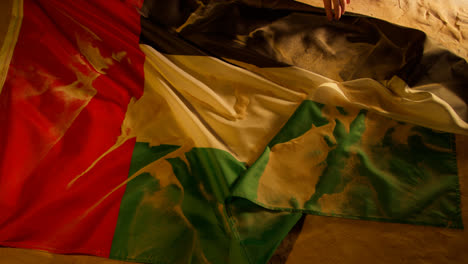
(49, 135)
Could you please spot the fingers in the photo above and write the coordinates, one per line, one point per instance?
(338, 7)
(343, 6)
(328, 9)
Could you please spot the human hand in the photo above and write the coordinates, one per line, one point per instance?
(339, 7)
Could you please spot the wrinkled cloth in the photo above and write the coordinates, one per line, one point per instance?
(202, 131)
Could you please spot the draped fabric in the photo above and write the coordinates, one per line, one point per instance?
(202, 131)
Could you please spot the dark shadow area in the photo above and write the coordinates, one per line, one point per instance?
(283, 32)
(286, 246)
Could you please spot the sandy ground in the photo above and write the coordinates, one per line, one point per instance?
(446, 21)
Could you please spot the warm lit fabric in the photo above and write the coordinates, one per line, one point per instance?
(202, 131)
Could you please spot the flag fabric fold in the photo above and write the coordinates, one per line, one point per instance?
(202, 131)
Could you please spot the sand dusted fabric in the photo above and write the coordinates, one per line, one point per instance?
(204, 131)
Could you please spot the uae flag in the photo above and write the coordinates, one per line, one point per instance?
(203, 131)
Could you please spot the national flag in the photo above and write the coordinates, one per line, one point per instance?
(202, 131)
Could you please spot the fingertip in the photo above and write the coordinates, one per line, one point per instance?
(328, 9)
(329, 14)
(337, 13)
(343, 7)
